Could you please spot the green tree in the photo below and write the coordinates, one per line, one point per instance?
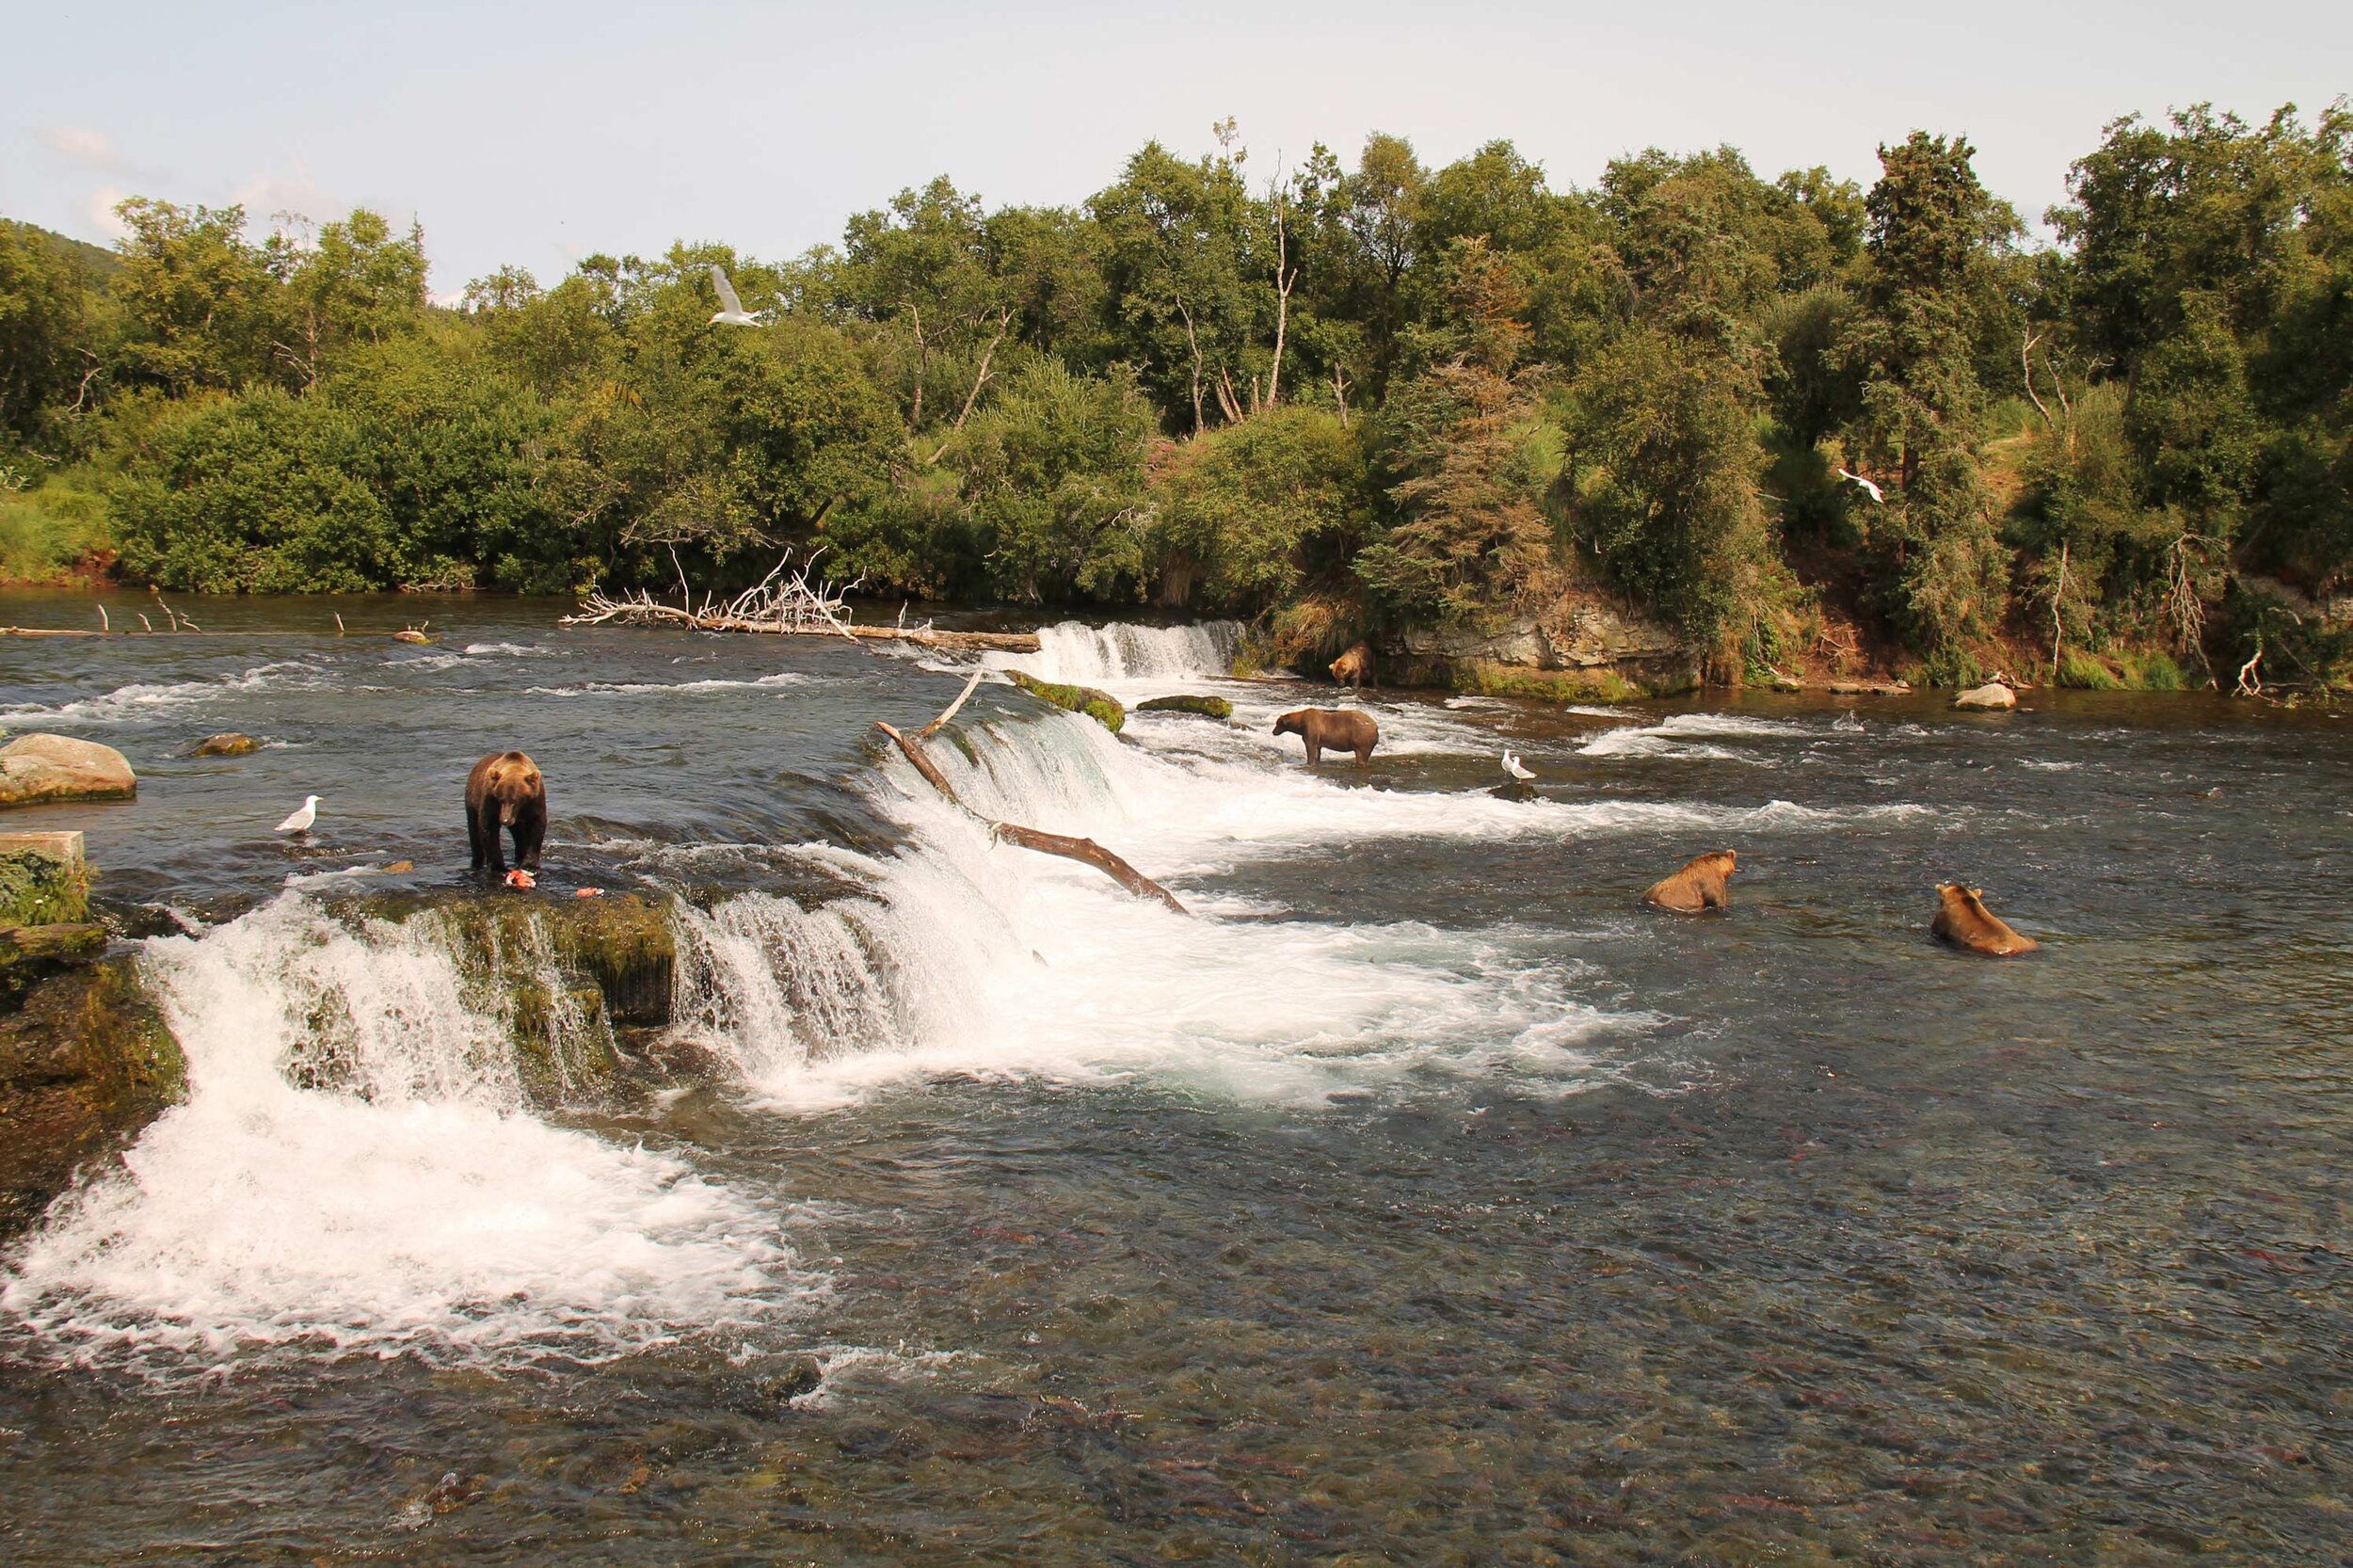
(199, 304)
(1465, 445)
(1933, 237)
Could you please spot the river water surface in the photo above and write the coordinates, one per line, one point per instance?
(1422, 1198)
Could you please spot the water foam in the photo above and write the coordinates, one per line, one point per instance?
(633, 688)
(1684, 735)
(141, 700)
(406, 1201)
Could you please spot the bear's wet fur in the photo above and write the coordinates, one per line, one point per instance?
(1702, 885)
(1334, 729)
(1963, 920)
(505, 791)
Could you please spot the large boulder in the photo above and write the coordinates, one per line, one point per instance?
(1991, 697)
(35, 769)
(84, 1064)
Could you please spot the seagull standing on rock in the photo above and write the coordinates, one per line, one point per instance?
(1513, 766)
(301, 820)
(731, 312)
(1871, 488)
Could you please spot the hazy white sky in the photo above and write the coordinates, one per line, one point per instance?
(537, 133)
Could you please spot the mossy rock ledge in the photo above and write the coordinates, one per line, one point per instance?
(1099, 706)
(84, 1064)
(566, 973)
(1206, 707)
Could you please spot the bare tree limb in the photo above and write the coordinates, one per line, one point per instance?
(1004, 322)
(2025, 364)
(949, 712)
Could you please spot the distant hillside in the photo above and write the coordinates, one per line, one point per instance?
(100, 261)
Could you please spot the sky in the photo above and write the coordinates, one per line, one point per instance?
(536, 133)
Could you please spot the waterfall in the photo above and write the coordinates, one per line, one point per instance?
(357, 1166)
(1091, 655)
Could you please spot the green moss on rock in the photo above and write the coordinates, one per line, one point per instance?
(1208, 707)
(44, 879)
(1099, 706)
(84, 1064)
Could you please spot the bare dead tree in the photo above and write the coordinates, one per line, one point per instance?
(1285, 275)
(1194, 339)
(2059, 593)
(1227, 401)
(1340, 392)
(1004, 322)
(2026, 367)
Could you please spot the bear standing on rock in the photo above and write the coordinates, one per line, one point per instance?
(1332, 728)
(505, 791)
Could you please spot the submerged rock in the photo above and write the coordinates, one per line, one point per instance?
(84, 1065)
(39, 768)
(1208, 707)
(1991, 696)
(1099, 706)
(228, 742)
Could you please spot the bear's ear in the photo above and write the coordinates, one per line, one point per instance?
(1977, 892)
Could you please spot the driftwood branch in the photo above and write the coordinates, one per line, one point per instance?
(788, 603)
(949, 712)
(1085, 850)
(913, 748)
(1090, 852)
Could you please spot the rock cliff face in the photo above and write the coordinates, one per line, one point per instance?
(1578, 647)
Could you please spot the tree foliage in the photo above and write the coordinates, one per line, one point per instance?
(1362, 392)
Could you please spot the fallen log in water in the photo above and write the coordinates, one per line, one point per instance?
(1086, 850)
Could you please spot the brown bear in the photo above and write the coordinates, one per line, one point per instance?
(506, 790)
(1962, 919)
(1353, 667)
(1699, 887)
(1341, 728)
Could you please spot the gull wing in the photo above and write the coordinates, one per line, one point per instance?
(727, 301)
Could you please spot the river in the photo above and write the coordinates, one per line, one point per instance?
(1421, 1198)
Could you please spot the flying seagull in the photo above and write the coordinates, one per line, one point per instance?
(1873, 489)
(1512, 766)
(301, 820)
(732, 309)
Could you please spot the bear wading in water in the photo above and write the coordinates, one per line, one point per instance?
(1702, 885)
(505, 791)
(1332, 730)
(1962, 919)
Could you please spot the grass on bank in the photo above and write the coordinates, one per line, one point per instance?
(47, 533)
